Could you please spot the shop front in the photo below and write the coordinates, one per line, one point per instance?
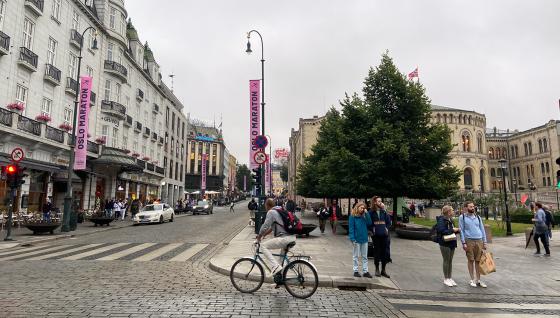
(120, 191)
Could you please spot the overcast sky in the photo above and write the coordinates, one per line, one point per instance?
(500, 58)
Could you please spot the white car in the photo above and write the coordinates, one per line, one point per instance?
(154, 213)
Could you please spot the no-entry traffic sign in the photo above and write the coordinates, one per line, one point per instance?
(17, 154)
(260, 157)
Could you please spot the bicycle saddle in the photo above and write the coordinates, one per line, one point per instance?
(290, 245)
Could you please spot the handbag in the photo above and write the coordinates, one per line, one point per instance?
(486, 263)
(450, 237)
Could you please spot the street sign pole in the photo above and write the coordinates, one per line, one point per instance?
(11, 212)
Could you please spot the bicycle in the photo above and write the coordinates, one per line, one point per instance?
(298, 274)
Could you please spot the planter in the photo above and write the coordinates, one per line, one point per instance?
(307, 228)
(39, 228)
(415, 232)
(101, 221)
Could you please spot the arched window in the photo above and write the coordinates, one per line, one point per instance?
(460, 119)
(504, 153)
(470, 120)
(542, 168)
(526, 149)
(512, 152)
(532, 171)
(493, 172)
(467, 178)
(491, 153)
(445, 118)
(545, 145)
(547, 168)
(438, 118)
(482, 177)
(540, 146)
(479, 143)
(516, 151)
(466, 140)
(498, 153)
(530, 148)
(451, 119)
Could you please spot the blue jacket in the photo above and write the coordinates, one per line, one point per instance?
(380, 224)
(445, 227)
(358, 228)
(472, 228)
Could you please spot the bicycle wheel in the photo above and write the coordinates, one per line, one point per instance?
(300, 279)
(246, 275)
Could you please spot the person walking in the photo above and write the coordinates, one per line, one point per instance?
(108, 208)
(47, 208)
(447, 245)
(335, 213)
(123, 209)
(117, 209)
(323, 215)
(540, 230)
(381, 222)
(134, 208)
(231, 205)
(358, 225)
(473, 239)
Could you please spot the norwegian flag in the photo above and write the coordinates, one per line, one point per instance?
(413, 74)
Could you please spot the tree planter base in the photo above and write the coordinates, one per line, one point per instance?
(414, 232)
(101, 221)
(307, 228)
(39, 228)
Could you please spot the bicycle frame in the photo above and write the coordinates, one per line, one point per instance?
(284, 256)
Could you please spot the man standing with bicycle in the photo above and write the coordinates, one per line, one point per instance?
(274, 223)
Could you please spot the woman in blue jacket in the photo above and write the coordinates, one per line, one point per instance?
(447, 247)
(358, 224)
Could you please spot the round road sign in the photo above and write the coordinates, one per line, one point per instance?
(261, 141)
(260, 157)
(17, 155)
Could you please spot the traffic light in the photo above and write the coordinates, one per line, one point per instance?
(558, 174)
(13, 175)
(257, 179)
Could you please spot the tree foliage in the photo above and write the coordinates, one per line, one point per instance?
(382, 143)
(242, 171)
(284, 172)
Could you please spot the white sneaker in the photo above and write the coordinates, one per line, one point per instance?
(472, 283)
(453, 282)
(481, 284)
(447, 283)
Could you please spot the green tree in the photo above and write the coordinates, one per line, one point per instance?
(243, 171)
(284, 172)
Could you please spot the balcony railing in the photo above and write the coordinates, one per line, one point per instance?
(160, 140)
(128, 120)
(116, 69)
(52, 74)
(150, 166)
(160, 170)
(6, 117)
(28, 58)
(92, 147)
(155, 109)
(4, 43)
(114, 108)
(71, 86)
(92, 98)
(138, 126)
(140, 95)
(29, 125)
(90, 7)
(141, 163)
(54, 134)
(76, 38)
(35, 5)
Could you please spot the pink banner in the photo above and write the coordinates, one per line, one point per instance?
(203, 172)
(83, 118)
(254, 119)
(267, 177)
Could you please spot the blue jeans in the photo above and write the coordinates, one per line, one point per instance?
(360, 249)
(46, 216)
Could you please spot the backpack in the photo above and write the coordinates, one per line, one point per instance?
(434, 235)
(292, 224)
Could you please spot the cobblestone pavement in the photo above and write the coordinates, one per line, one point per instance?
(70, 284)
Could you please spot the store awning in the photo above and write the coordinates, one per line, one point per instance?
(117, 158)
(62, 176)
(35, 164)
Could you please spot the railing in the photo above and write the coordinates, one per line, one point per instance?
(37, 3)
(140, 94)
(29, 125)
(141, 163)
(4, 41)
(91, 8)
(138, 126)
(54, 134)
(76, 37)
(72, 84)
(6, 117)
(160, 170)
(52, 72)
(28, 56)
(113, 106)
(150, 166)
(114, 66)
(128, 120)
(92, 147)
(92, 98)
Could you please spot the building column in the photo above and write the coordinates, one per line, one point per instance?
(89, 192)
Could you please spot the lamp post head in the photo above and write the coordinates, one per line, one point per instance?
(94, 45)
(248, 51)
(503, 163)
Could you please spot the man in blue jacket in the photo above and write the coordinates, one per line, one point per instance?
(473, 238)
(381, 222)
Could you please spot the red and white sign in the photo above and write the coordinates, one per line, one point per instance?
(82, 124)
(254, 119)
(260, 157)
(17, 155)
(281, 153)
(203, 172)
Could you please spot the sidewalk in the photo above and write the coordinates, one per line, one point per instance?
(417, 265)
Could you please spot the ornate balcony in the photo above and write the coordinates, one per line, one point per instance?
(155, 108)
(52, 133)
(138, 127)
(29, 125)
(71, 86)
(150, 166)
(160, 170)
(114, 108)
(6, 117)
(128, 121)
(4, 43)
(141, 163)
(146, 132)
(35, 5)
(92, 147)
(28, 59)
(52, 74)
(116, 69)
(76, 38)
(140, 95)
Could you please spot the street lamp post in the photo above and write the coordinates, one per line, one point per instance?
(66, 226)
(270, 164)
(503, 165)
(514, 181)
(249, 51)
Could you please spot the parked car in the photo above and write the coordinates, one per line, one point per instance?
(154, 213)
(203, 206)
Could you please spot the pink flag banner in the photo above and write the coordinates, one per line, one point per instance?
(267, 177)
(254, 119)
(203, 172)
(82, 124)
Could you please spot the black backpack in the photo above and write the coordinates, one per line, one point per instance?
(291, 222)
(434, 235)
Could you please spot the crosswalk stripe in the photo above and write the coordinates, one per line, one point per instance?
(157, 253)
(190, 252)
(72, 250)
(54, 248)
(455, 314)
(468, 304)
(95, 251)
(126, 252)
(21, 249)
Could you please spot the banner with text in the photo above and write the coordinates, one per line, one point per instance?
(203, 172)
(82, 122)
(254, 119)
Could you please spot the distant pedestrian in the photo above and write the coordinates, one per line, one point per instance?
(335, 214)
(108, 208)
(358, 225)
(134, 207)
(232, 204)
(447, 245)
(323, 215)
(381, 222)
(540, 230)
(485, 209)
(495, 213)
(117, 209)
(473, 238)
(123, 209)
(47, 208)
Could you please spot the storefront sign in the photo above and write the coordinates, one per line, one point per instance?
(281, 153)
(203, 172)
(111, 120)
(254, 119)
(82, 122)
(204, 138)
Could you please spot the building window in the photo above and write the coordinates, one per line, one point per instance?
(144, 153)
(135, 146)
(91, 38)
(28, 30)
(112, 17)
(105, 132)
(21, 95)
(51, 51)
(171, 169)
(2, 13)
(56, 9)
(526, 148)
(530, 148)
(545, 145)
(72, 65)
(540, 146)
(479, 143)
(172, 122)
(181, 174)
(115, 137)
(466, 140)
(117, 92)
(516, 151)
(504, 153)
(123, 24)
(46, 106)
(176, 170)
(493, 172)
(467, 178)
(547, 168)
(89, 70)
(68, 115)
(542, 168)
(107, 90)
(75, 21)
(491, 153)
(498, 153)
(125, 139)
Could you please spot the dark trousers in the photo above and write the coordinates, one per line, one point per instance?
(322, 223)
(544, 240)
(380, 250)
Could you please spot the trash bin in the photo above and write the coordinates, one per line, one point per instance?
(73, 220)
(259, 220)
